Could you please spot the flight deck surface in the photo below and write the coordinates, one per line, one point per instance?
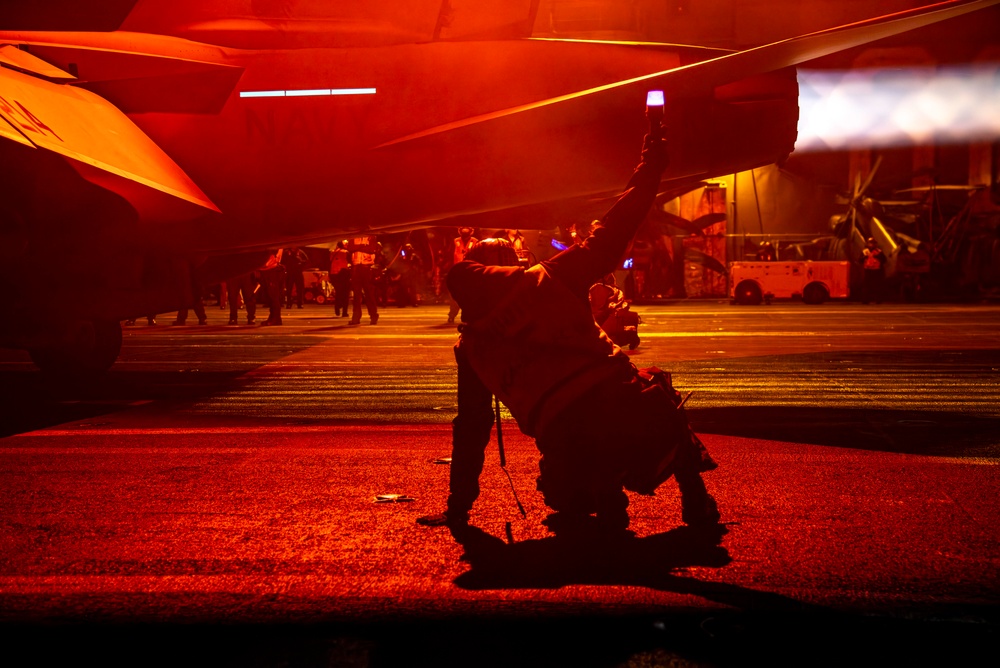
(218, 489)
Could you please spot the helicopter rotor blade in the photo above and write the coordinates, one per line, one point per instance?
(664, 218)
(673, 193)
(871, 176)
(701, 222)
(705, 260)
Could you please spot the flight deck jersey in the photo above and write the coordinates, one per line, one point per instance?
(361, 247)
(539, 348)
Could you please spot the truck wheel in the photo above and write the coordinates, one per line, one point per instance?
(93, 348)
(815, 293)
(748, 293)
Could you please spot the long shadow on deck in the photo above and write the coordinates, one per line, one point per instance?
(588, 557)
(31, 400)
(910, 432)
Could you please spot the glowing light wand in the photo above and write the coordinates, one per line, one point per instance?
(654, 112)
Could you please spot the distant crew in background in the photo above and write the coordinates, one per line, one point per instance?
(272, 275)
(520, 245)
(380, 275)
(766, 252)
(363, 251)
(462, 244)
(515, 238)
(438, 269)
(241, 285)
(340, 277)
(294, 260)
(873, 262)
(582, 231)
(411, 272)
(193, 299)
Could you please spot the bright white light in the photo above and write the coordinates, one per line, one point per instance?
(352, 91)
(262, 93)
(307, 92)
(902, 107)
(654, 98)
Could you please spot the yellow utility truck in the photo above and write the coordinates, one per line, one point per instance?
(811, 281)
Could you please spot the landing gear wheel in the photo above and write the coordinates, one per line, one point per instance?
(815, 293)
(748, 293)
(92, 348)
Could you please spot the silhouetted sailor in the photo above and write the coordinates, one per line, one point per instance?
(192, 299)
(600, 423)
(340, 276)
(272, 276)
(873, 262)
(294, 260)
(237, 286)
(363, 251)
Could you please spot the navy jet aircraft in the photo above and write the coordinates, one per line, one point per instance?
(143, 140)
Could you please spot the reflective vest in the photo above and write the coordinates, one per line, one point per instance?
(461, 248)
(873, 259)
(539, 350)
(362, 257)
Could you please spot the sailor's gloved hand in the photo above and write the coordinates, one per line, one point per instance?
(654, 152)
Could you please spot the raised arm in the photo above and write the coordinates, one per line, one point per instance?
(582, 266)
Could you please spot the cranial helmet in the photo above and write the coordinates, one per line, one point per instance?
(493, 253)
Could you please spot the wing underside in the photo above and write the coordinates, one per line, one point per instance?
(98, 139)
(700, 78)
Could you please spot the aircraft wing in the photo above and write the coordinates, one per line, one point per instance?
(22, 60)
(99, 141)
(702, 77)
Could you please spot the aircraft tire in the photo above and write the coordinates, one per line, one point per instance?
(815, 293)
(748, 293)
(94, 348)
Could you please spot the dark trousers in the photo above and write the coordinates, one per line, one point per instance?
(274, 279)
(363, 287)
(295, 280)
(341, 291)
(471, 431)
(242, 284)
(873, 286)
(191, 300)
(196, 305)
